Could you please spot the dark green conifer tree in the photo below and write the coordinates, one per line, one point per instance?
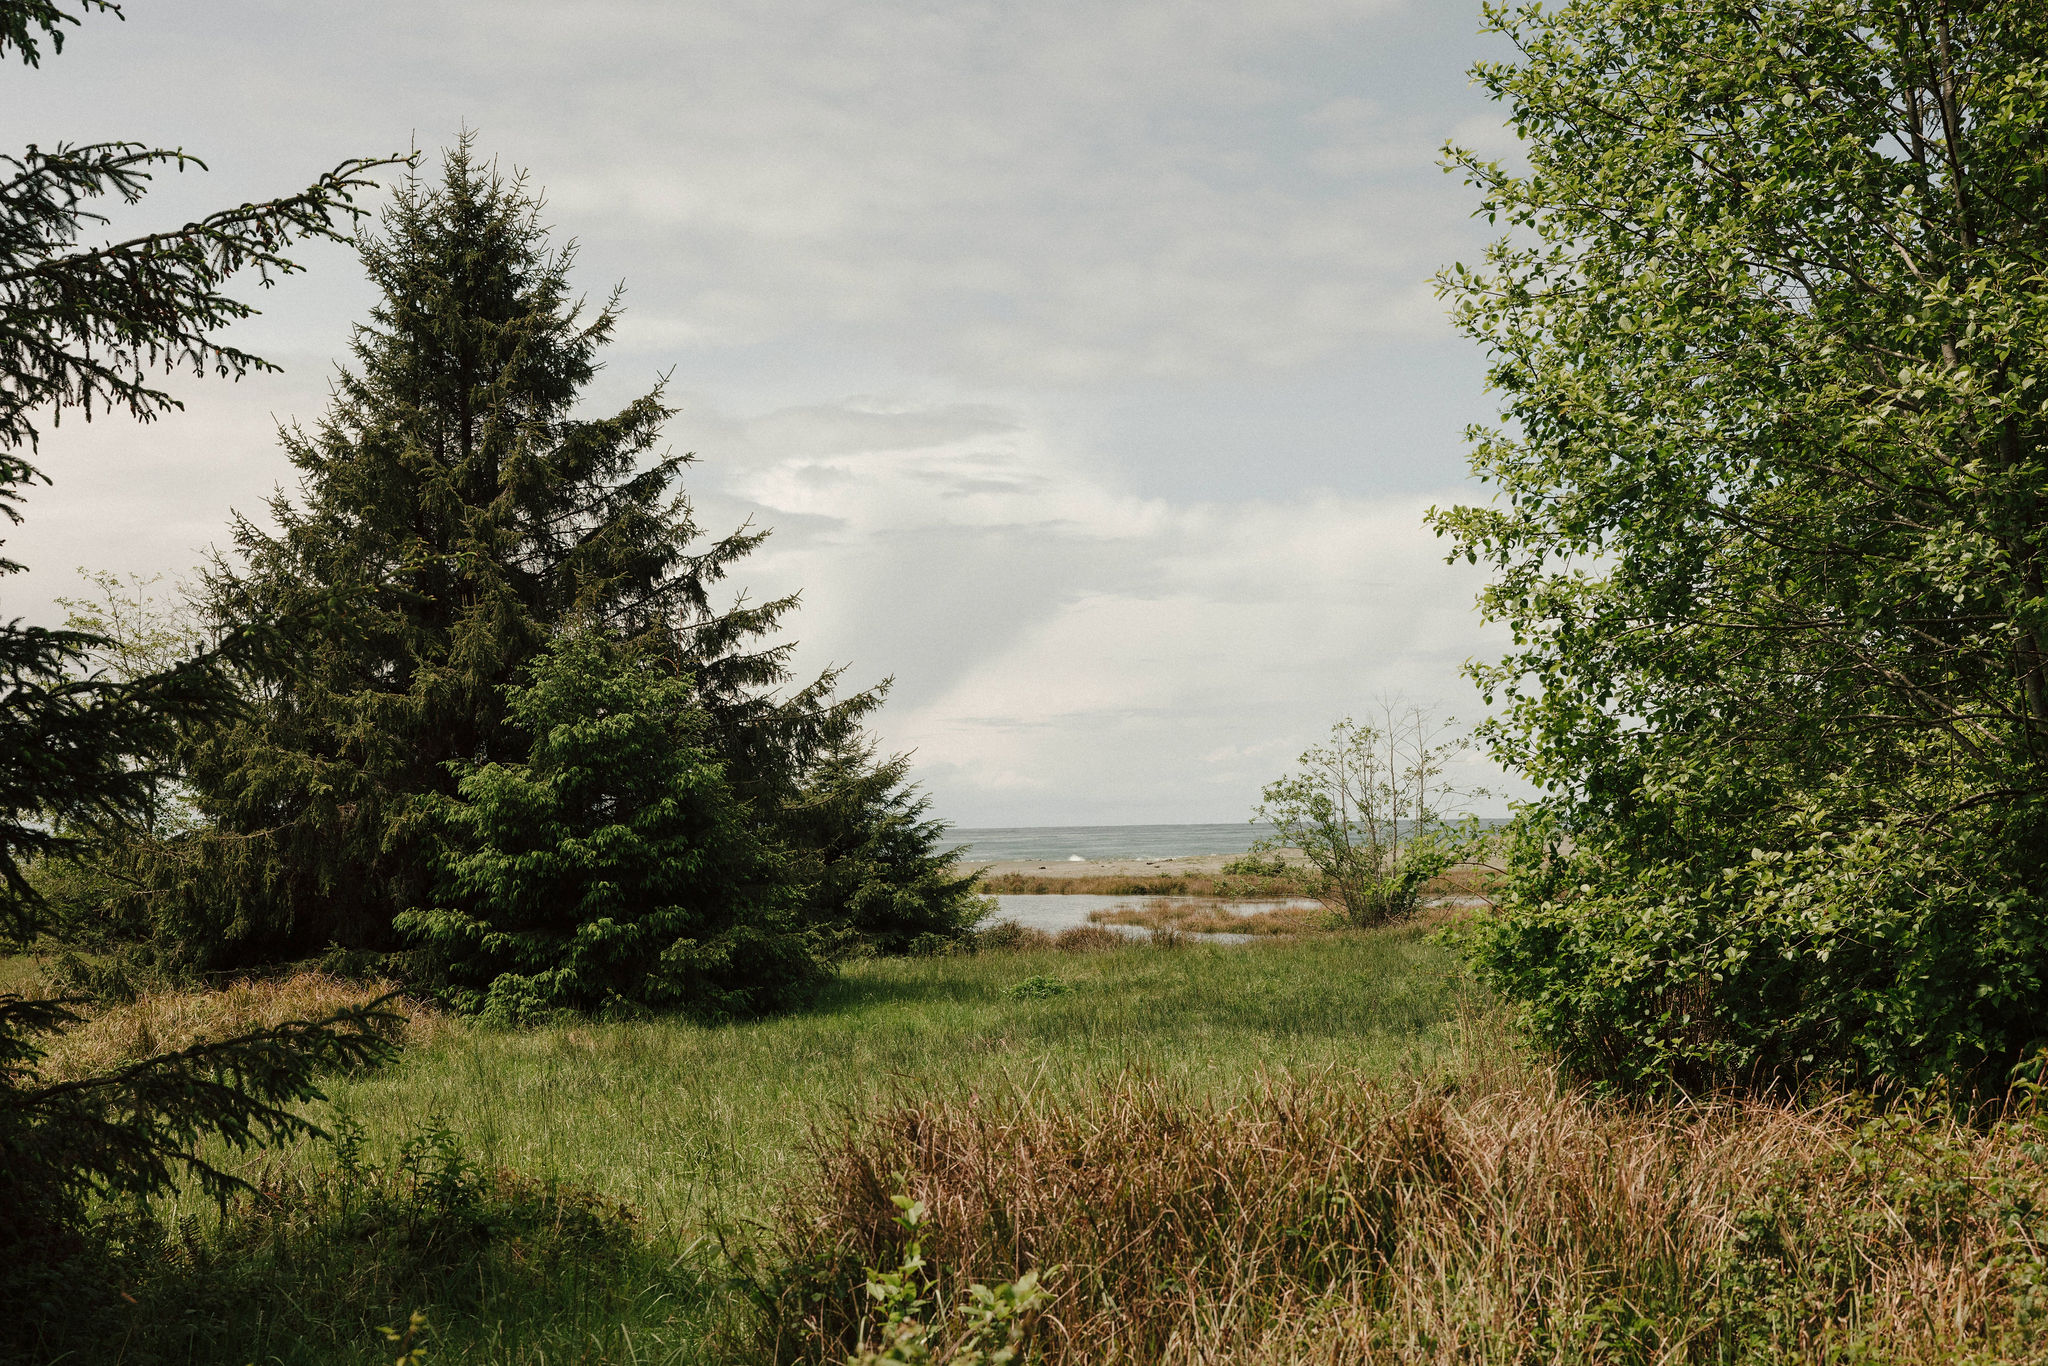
(874, 863)
(614, 866)
(469, 516)
(84, 329)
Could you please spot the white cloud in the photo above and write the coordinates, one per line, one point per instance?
(1092, 268)
(1070, 651)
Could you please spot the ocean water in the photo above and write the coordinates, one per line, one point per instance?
(1063, 842)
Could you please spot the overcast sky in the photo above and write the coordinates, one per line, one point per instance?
(1082, 356)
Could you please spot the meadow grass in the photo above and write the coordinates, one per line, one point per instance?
(695, 1126)
(594, 1191)
(1324, 1149)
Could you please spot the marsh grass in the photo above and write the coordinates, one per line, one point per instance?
(1323, 1149)
(1240, 888)
(1482, 1214)
(699, 1127)
(160, 1021)
(596, 1191)
(1463, 881)
(1184, 918)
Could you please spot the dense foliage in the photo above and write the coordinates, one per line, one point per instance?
(468, 518)
(1771, 531)
(876, 870)
(615, 866)
(82, 751)
(461, 512)
(82, 328)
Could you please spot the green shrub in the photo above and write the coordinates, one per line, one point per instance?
(1365, 810)
(1879, 953)
(987, 1326)
(1040, 987)
(875, 869)
(615, 868)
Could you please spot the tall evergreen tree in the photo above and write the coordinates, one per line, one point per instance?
(83, 329)
(470, 516)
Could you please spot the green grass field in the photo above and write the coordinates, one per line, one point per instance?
(703, 1133)
(684, 1122)
(1318, 1149)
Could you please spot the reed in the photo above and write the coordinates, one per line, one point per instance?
(1488, 1214)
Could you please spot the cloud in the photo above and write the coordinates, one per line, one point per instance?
(1071, 349)
(1069, 651)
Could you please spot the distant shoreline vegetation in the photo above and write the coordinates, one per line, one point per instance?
(996, 844)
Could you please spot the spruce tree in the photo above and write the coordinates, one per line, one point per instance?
(453, 498)
(615, 867)
(84, 329)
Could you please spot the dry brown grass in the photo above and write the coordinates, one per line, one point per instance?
(1165, 884)
(164, 1020)
(1088, 939)
(1500, 1217)
(1463, 881)
(1196, 919)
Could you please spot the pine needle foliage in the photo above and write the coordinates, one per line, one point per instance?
(84, 329)
(615, 867)
(469, 514)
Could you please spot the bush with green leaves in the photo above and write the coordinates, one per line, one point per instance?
(1364, 810)
(615, 867)
(986, 1325)
(1770, 529)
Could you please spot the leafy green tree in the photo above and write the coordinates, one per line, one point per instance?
(615, 866)
(1366, 810)
(1771, 530)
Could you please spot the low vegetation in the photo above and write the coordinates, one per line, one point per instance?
(485, 1152)
(1482, 1213)
(1319, 1149)
(1183, 917)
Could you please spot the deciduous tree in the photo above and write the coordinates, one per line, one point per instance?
(1771, 527)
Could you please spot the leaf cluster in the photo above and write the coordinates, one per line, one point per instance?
(1770, 528)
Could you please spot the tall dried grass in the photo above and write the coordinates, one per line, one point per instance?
(1497, 1216)
(1157, 884)
(161, 1021)
(1187, 918)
